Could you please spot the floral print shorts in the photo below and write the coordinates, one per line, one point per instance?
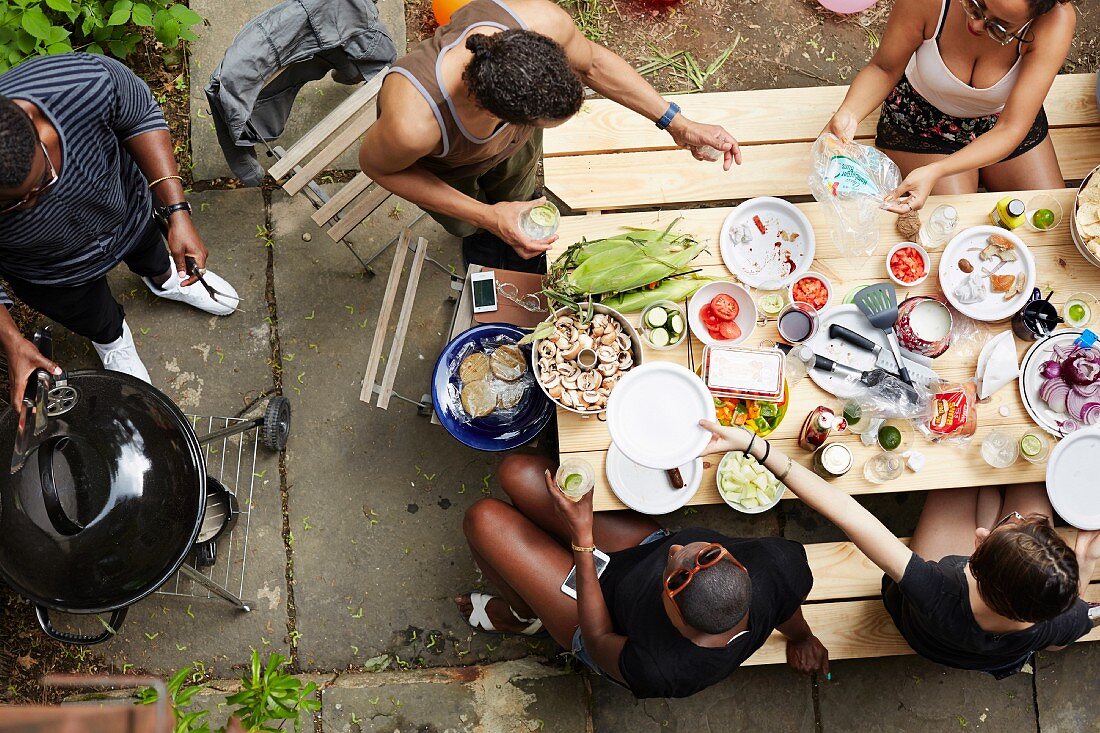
(911, 124)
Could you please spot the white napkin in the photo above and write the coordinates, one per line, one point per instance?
(997, 364)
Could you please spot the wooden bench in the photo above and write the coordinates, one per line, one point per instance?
(775, 127)
(845, 609)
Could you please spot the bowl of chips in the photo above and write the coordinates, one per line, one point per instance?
(1085, 222)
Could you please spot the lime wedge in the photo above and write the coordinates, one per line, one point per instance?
(1030, 445)
(889, 437)
(573, 482)
(544, 215)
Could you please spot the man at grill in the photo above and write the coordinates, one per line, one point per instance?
(460, 120)
(83, 150)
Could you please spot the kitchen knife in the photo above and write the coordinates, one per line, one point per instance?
(874, 378)
(849, 336)
(922, 374)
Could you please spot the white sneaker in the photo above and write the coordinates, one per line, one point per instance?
(196, 295)
(121, 355)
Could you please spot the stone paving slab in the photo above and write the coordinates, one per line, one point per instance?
(315, 100)
(911, 694)
(209, 366)
(763, 699)
(1065, 685)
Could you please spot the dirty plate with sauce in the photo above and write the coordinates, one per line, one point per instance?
(767, 243)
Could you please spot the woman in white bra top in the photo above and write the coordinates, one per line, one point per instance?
(961, 84)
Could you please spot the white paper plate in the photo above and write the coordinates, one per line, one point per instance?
(758, 262)
(653, 415)
(1031, 380)
(648, 490)
(967, 244)
(842, 352)
(1071, 478)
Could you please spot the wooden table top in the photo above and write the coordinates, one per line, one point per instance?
(1060, 268)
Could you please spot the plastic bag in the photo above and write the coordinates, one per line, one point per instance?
(888, 397)
(952, 415)
(851, 181)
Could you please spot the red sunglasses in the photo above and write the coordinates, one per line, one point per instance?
(708, 557)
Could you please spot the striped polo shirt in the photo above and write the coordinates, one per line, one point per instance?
(93, 216)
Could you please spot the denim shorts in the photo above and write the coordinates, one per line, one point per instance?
(579, 651)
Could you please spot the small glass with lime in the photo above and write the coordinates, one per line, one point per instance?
(1035, 447)
(1081, 310)
(575, 478)
(1043, 212)
(895, 434)
(540, 222)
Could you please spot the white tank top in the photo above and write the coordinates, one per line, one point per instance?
(931, 78)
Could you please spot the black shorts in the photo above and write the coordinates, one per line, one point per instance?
(909, 123)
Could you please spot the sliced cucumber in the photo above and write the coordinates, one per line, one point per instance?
(656, 317)
(676, 324)
(659, 337)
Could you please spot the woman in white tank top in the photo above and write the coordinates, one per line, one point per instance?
(962, 84)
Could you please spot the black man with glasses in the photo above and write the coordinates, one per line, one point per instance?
(672, 614)
(961, 85)
(84, 150)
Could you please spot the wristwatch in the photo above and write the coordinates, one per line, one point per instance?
(666, 118)
(166, 211)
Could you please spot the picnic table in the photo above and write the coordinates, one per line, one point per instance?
(1060, 268)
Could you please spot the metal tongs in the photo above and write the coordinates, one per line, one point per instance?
(193, 270)
(34, 418)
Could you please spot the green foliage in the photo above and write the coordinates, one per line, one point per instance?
(268, 694)
(186, 722)
(41, 27)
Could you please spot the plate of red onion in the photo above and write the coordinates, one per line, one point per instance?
(1060, 383)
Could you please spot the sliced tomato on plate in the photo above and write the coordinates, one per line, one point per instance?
(725, 307)
(729, 330)
(708, 317)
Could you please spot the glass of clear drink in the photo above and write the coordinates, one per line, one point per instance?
(575, 478)
(541, 221)
(883, 467)
(1035, 447)
(999, 449)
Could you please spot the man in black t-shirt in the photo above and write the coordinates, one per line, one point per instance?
(672, 614)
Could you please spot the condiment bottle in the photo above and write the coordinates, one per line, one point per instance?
(1008, 213)
(817, 427)
(832, 461)
(939, 227)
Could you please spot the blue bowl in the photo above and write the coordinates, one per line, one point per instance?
(492, 432)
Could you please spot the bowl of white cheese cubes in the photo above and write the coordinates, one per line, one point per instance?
(746, 485)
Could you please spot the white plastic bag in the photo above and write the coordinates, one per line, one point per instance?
(851, 181)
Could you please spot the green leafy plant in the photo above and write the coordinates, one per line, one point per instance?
(40, 27)
(185, 721)
(268, 695)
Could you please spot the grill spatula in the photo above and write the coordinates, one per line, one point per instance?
(880, 304)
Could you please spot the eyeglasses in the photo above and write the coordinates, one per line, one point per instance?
(995, 29)
(530, 302)
(49, 178)
(1006, 518)
(708, 557)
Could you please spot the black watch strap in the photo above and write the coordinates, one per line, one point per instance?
(167, 211)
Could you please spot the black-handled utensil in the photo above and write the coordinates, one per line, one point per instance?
(193, 270)
(880, 304)
(849, 336)
(876, 377)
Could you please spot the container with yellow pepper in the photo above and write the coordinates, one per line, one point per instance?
(757, 416)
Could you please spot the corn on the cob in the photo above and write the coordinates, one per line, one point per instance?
(676, 289)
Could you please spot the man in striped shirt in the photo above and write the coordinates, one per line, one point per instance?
(83, 150)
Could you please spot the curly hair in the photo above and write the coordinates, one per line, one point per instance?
(522, 77)
(17, 144)
(1026, 571)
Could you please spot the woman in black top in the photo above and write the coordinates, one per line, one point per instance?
(969, 591)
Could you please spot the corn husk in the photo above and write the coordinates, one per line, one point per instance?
(676, 289)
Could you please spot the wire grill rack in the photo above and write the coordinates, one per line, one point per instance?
(232, 461)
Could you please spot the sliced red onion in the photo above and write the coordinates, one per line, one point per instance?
(1054, 392)
(1051, 369)
(1090, 390)
(1076, 404)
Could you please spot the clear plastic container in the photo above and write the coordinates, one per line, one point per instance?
(755, 374)
(939, 228)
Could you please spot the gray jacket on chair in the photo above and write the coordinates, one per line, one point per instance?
(275, 54)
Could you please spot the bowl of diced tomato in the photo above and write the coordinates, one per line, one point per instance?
(757, 416)
(811, 288)
(908, 264)
(722, 314)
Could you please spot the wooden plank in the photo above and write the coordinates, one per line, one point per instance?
(363, 207)
(667, 177)
(344, 139)
(366, 393)
(403, 319)
(860, 630)
(1058, 262)
(333, 121)
(341, 198)
(765, 116)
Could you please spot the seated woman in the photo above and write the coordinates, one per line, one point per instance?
(671, 615)
(961, 86)
(969, 591)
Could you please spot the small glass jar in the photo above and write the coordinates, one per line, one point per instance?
(575, 478)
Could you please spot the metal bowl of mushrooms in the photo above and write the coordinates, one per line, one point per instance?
(579, 365)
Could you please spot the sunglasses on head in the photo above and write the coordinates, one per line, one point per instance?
(49, 178)
(1007, 518)
(995, 29)
(708, 557)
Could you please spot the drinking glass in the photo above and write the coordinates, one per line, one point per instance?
(1038, 203)
(883, 467)
(575, 478)
(999, 449)
(1035, 447)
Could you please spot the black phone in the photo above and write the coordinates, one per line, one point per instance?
(569, 587)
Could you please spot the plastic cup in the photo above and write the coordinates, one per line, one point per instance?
(1035, 447)
(999, 449)
(883, 467)
(575, 478)
(1039, 204)
(1081, 310)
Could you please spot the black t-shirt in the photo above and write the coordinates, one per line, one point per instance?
(657, 661)
(931, 608)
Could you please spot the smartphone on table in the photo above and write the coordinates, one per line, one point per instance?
(569, 587)
(484, 286)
